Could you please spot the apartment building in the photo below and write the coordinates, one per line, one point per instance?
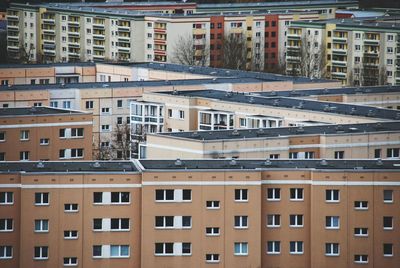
(64, 73)
(43, 133)
(350, 141)
(200, 213)
(357, 51)
(108, 32)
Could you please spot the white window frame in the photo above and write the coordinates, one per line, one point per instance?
(297, 218)
(6, 198)
(6, 223)
(120, 201)
(214, 204)
(120, 249)
(391, 195)
(75, 132)
(330, 224)
(69, 208)
(275, 246)
(297, 246)
(242, 220)
(361, 205)
(42, 201)
(330, 249)
(358, 232)
(70, 261)
(44, 141)
(24, 135)
(164, 253)
(212, 258)
(41, 249)
(359, 258)
(330, 196)
(212, 231)
(297, 192)
(75, 153)
(69, 234)
(274, 194)
(383, 223)
(120, 229)
(243, 248)
(41, 227)
(388, 255)
(274, 218)
(3, 252)
(243, 195)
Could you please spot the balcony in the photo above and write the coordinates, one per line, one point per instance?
(73, 23)
(13, 37)
(261, 121)
(339, 39)
(49, 31)
(293, 36)
(126, 39)
(124, 49)
(338, 75)
(12, 17)
(12, 27)
(339, 51)
(13, 47)
(99, 36)
(215, 120)
(124, 29)
(98, 26)
(49, 21)
(99, 46)
(368, 41)
(337, 63)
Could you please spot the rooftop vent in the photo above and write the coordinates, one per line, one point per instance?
(233, 162)
(371, 113)
(178, 162)
(353, 110)
(175, 92)
(275, 103)
(251, 99)
(96, 164)
(229, 94)
(267, 162)
(40, 164)
(324, 162)
(300, 129)
(235, 132)
(397, 116)
(379, 162)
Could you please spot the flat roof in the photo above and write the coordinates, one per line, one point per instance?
(47, 65)
(292, 103)
(262, 133)
(332, 91)
(35, 111)
(67, 166)
(149, 83)
(262, 164)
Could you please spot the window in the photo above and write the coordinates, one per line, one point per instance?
(24, 135)
(361, 258)
(212, 231)
(241, 222)
(392, 152)
(6, 198)
(181, 114)
(390, 50)
(212, 257)
(120, 224)
(2, 136)
(71, 234)
(177, 195)
(296, 194)
(6, 225)
(98, 224)
(377, 153)
(44, 141)
(361, 205)
(70, 207)
(76, 153)
(105, 128)
(296, 247)
(37, 104)
(41, 253)
(273, 220)
(41, 199)
(332, 195)
(66, 104)
(164, 221)
(97, 251)
(119, 103)
(388, 196)
(357, 47)
(23, 156)
(163, 248)
(273, 194)
(120, 197)
(6, 252)
(213, 204)
(296, 220)
(119, 251)
(119, 120)
(89, 104)
(41, 226)
(339, 154)
(332, 222)
(388, 223)
(70, 261)
(357, 60)
(273, 247)
(105, 110)
(387, 250)
(274, 156)
(2, 156)
(360, 231)
(77, 132)
(241, 195)
(241, 248)
(389, 61)
(332, 249)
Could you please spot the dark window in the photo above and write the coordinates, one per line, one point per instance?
(187, 194)
(97, 197)
(97, 224)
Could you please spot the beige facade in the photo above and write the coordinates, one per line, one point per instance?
(327, 142)
(41, 133)
(200, 214)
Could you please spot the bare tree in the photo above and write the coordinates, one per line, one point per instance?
(191, 50)
(138, 135)
(25, 53)
(234, 51)
(102, 152)
(121, 141)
